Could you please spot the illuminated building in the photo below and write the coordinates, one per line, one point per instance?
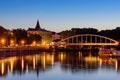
(56, 36)
(45, 34)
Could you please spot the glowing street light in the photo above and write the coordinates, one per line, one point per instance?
(116, 43)
(12, 42)
(3, 41)
(44, 42)
(22, 42)
(33, 43)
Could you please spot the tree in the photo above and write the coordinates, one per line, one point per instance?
(20, 34)
(77, 31)
(34, 37)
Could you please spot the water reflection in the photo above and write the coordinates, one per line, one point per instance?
(37, 63)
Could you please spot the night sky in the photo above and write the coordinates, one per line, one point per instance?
(58, 15)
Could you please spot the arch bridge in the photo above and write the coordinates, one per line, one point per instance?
(88, 39)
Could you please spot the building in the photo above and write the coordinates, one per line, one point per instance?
(57, 41)
(45, 34)
(56, 37)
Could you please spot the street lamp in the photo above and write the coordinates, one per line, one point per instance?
(12, 42)
(22, 42)
(34, 43)
(3, 41)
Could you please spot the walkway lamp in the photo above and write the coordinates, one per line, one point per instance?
(12, 42)
(3, 41)
(116, 43)
(22, 42)
(44, 42)
(34, 43)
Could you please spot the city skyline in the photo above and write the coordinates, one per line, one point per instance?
(59, 15)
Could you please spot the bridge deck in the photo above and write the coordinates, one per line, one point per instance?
(76, 44)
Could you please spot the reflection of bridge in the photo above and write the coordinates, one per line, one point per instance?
(88, 39)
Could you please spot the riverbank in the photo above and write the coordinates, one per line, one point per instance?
(20, 51)
(76, 49)
(38, 49)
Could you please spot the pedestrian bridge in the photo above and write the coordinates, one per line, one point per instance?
(88, 39)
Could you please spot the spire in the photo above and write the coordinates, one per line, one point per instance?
(38, 26)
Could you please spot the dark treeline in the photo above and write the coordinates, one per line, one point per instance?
(21, 34)
(114, 33)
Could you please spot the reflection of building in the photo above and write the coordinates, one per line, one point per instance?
(28, 63)
(46, 35)
(44, 61)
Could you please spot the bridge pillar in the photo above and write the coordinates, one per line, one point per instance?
(105, 41)
(86, 38)
(95, 39)
(77, 40)
(81, 39)
(72, 40)
(90, 39)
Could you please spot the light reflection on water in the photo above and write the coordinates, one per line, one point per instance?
(58, 66)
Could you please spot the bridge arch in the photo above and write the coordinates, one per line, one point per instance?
(89, 39)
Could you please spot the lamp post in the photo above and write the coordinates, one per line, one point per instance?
(12, 42)
(22, 42)
(34, 43)
(3, 41)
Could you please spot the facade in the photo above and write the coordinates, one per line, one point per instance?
(56, 40)
(56, 36)
(45, 34)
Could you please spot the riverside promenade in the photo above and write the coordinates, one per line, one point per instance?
(23, 50)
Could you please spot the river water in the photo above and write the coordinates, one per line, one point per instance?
(59, 66)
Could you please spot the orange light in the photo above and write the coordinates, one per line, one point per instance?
(34, 63)
(44, 62)
(52, 60)
(22, 42)
(116, 43)
(116, 65)
(11, 41)
(44, 42)
(22, 64)
(3, 41)
(11, 66)
(34, 43)
(3, 69)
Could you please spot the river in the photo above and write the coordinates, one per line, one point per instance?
(59, 66)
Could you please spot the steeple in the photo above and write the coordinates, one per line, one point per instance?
(38, 26)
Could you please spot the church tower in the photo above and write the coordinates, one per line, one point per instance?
(38, 26)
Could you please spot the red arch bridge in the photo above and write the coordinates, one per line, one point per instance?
(88, 39)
